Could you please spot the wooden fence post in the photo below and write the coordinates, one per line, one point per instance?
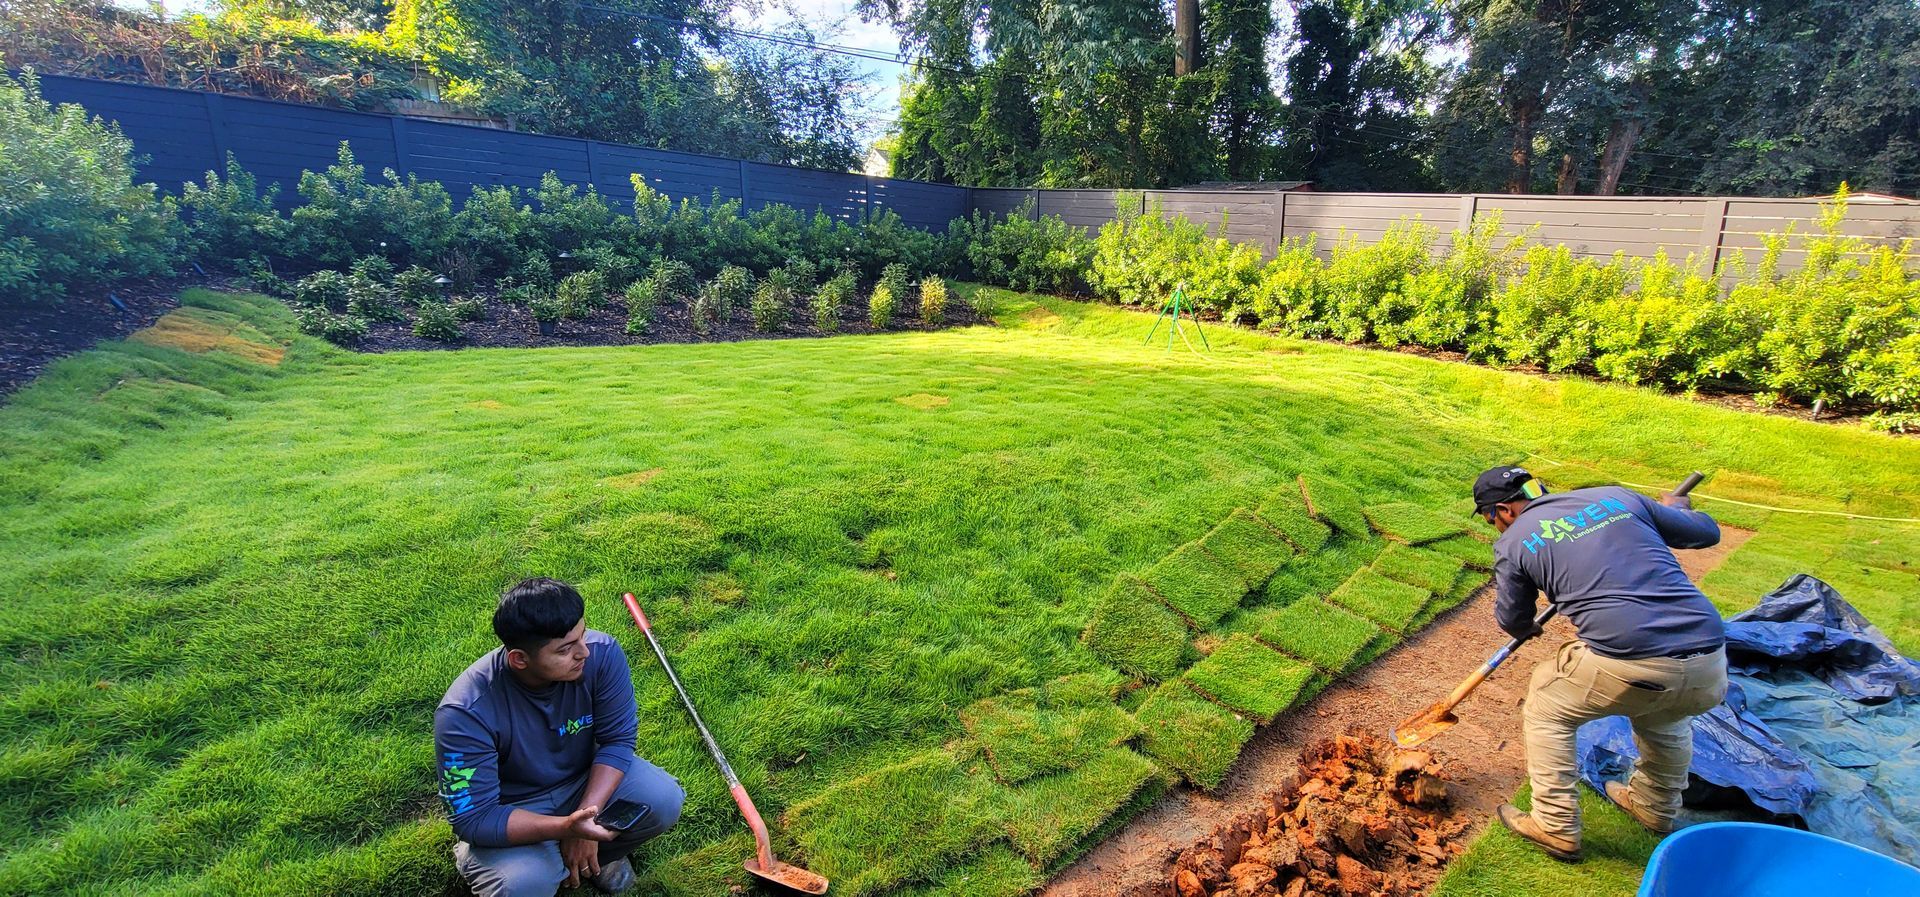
(1279, 219)
(1469, 207)
(1713, 233)
(593, 164)
(402, 148)
(217, 129)
(746, 192)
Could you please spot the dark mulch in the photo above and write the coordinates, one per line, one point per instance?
(507, 325)
(32, 338)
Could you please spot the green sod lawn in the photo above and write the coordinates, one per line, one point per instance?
(237, 583)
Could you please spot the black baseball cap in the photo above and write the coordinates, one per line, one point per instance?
(1502, 484)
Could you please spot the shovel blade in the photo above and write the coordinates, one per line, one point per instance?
(787, 875)
(1430, 722)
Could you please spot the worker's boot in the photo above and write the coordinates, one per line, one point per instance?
(1622, 797)
(614, 877)
(1523, 825)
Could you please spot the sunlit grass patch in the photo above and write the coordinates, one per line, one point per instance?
(1248, 546)
(1031, 732)
(1391, 604)
(1046, 816)
(1327, 636)
(1131, 630)
(897, 824)
(1334, 503)
(1249, 677)
(1199, 585)
(1428, 570)
(1191, 734)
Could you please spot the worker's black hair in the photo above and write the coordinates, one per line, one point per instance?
(536, 611)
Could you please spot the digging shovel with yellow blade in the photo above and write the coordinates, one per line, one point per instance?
(1422, 726)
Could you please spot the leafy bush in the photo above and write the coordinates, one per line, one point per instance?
(672, 280)
(1545, 315)
(798, 276)
(1288, 295)
(880, 307)
(326, 290)
(337, 328)
(1140, 257)
(229, 221)
(70, 214)
(642, 302)
(1365, 283)
(829, 301)
(346, 217)
(368, 295)
(770, 301)
(732, 288)
(933, 300)
(547, 309)
(898, 280)
(468, 309)
(1023, 252)
(436, 322)
(415, 286)
(581, 294)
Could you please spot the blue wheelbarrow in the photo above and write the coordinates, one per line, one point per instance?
(1748, 859)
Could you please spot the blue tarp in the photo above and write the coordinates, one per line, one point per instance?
(1821, 723)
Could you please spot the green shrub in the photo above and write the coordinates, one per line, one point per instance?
(368, 295)
(673, 280)
(1288, 294)
(1366, 284)
(642, 303)
(436, 322)
(546, 308)
(616, 268)
(323, 322)
(704, 310)
(521, 294)
(933, 300)
(70, 214)
(581, 294)
(230, 222)
(880, 307)
(1545, 316)
(798, 276)
(415, 286)
(469, 309)
(325, 290)
(1140, 257)
(829, 301)
(898, 280)
(770, 301)
(1019, 251)
(733, 289)
(345, 217)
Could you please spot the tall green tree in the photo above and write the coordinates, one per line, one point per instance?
(1356, 77)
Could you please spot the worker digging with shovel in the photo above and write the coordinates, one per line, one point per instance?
(1650, 646)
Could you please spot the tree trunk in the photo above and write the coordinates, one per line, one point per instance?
(1520, 175)
(1569, 181)
(1613, 160)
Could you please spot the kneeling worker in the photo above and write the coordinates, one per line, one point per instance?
(535, 743)
(1650, 647)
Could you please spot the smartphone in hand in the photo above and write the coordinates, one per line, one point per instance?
(623, 814)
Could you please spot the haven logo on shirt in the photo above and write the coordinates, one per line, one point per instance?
(455, 780)
(573, 725)
(1592, 518)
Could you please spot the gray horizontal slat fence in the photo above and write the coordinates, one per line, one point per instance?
(1708, 230)
(183, 134)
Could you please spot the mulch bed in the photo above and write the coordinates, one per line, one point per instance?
(508, 325)
(32, 338)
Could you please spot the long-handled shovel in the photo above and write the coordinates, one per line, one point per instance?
(1439, 717)
(762, 863)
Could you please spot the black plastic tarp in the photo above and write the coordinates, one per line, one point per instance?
(1821, 723)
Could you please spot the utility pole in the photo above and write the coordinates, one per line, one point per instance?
(1186, 37)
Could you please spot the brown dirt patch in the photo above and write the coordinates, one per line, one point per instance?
(1357, 818)
(199, 330)
(923, 400)
(633, 480)
(1483, 755)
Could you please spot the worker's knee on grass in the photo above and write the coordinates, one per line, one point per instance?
(653, 786)
(531, 870)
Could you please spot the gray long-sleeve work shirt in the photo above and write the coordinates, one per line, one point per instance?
(1604, 557)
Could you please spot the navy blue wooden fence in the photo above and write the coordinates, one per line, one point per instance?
(185, 133)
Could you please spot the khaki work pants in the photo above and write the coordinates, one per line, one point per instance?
(1658, 694)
